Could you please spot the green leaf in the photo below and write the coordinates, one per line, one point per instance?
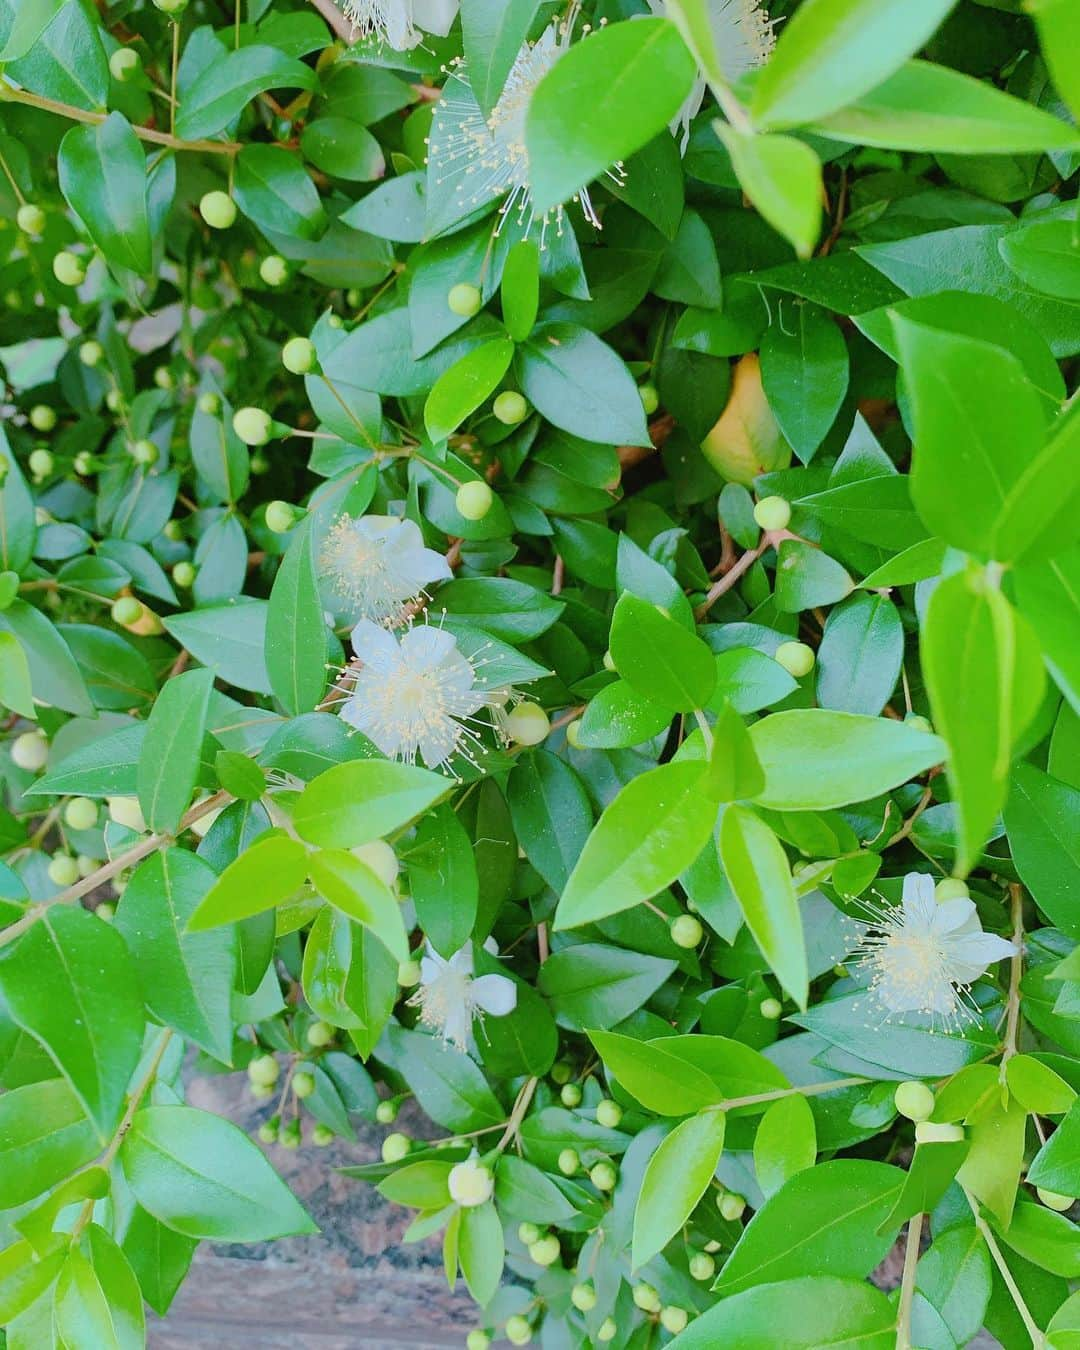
(823, 1218)
(511, 611)
(227, 85)
(806, 577)
(22, 24)
(985, 679)
(480, 1251)
(493, 32)
(54, 676)
(23, 1277)
(45, 1135)
(929, 1176)
(1059, 34)
(520, 292)
(66, 61)
(69, 982)
(272, 189)
(18, 528)
(804, 371)
(201, 1176)
(551, 814)
(861, 652)
(346, 149)
(468, 383)
(1040, 819)
(811, 1313)
(651, 832)
(661, 1081)
(734, 771)
(592, 985)
(1049, 598)
(187, 977)
(757, 868)
(103, 176)
(815, 760)
(580, 384)
(15, 677)
(617, 717)
(1046, 255)
(171, 750)
(239, 775)
(833, 51)
(448, 1085)
(443, 880)
(81, 1313)
(1056, 1166)
(352, 887)
(296, 635)
(785, 1142)
(782, 177)
(600, 102)
(230, 639)
(1037, 1087)
(676, 1178)
(954, 1275)
(365, 799)
(270, 871)
(120, 1287)
(931, 108)
(659, 658)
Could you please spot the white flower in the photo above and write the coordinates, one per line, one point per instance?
(922, 956)
(449, 997)
(743, 38)
(398, 23)
(375, 564)
(489, 154)
(470, 1183)
(415, 695)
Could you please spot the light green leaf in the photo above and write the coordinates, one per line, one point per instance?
(296, 630)
(1058, 22)
(45, 1135)
(493, 32)
(227, 85)
(468, 383)
(658, 658)
(352, 887)
(270, 871)
(15, 677)
(365, 799)
(676, 1178)
(782, 177)
(785, 1142)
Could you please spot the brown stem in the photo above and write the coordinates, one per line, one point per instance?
(659, 431)
(340, 25)
(1016, 970)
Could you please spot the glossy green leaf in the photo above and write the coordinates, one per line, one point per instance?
(366, 799)
(782, 177)
(809, 1313)
(222, 91)
(492, 32)
(352, 887)
(443, 880)
(270, 871)
(171, 750)
(581, 385)
(676, 1178)
(272, 189)
(591, 985)
(296, 630)
(459, 391)
(45, 1135)
(658, 658)
(1040, 818)
(103, 176)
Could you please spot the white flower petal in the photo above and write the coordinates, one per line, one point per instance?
(952, 916)
(435, 16)
(375, 646)
(462, 960)
(424, 647)
(496, 994)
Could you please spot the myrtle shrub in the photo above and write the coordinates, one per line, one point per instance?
(541, 575)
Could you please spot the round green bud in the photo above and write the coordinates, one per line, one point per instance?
(510, 408)
(570, 1095)
(395, 1147)
(84, 464)
(42, 417)
(607, 1330)
(264, 1070)
(919, 723)
(171, 7)
(608, 1113)
(583, 1297)
(319, 1034)
(81, 813)
(91, 353)
(527, 724)
(63, 870)
(114, 400)
(646, 1298)
(68, 269)
(322, 1135)
(259, 463)
(1052, 1200)
(674, 1319)
(123, 64)
(914, 1100)
(268, 1132)
(603, 1176)
(473, 500)
(380, 857)
(298, 355)
(470, 1183)
(352, 298)
(126, 611)
(650, 399)
(105, 910)
(477, 1340)
(929, 1132)
(40, 463)
(273, 269)
(183, 573)
(712, 1246)
(731, 1206)
(770, 1009)
(173, 530)
(280, 517)
(408, 974)
(561, 1071)
(209, 403)
(164, 378)
(30, 218)
(336, 321)
(145, 452)
(796, 658)
(386, 1112)
(218, 209)
(773, 513)
(290, 1135)
(252, 425)
(262, 1092)
(87, 865)
(951, 888)
(528, 1233)
(569, 1161)
(518, 1330)
(686, 931)
(303, 1084)
(702, 1266)
(545, 1251)
(464, 300)
(126, 811)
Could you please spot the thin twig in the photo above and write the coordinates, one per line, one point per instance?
(1016, 970)
(1038, 1340)
(341, 26)
(907, 1282)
